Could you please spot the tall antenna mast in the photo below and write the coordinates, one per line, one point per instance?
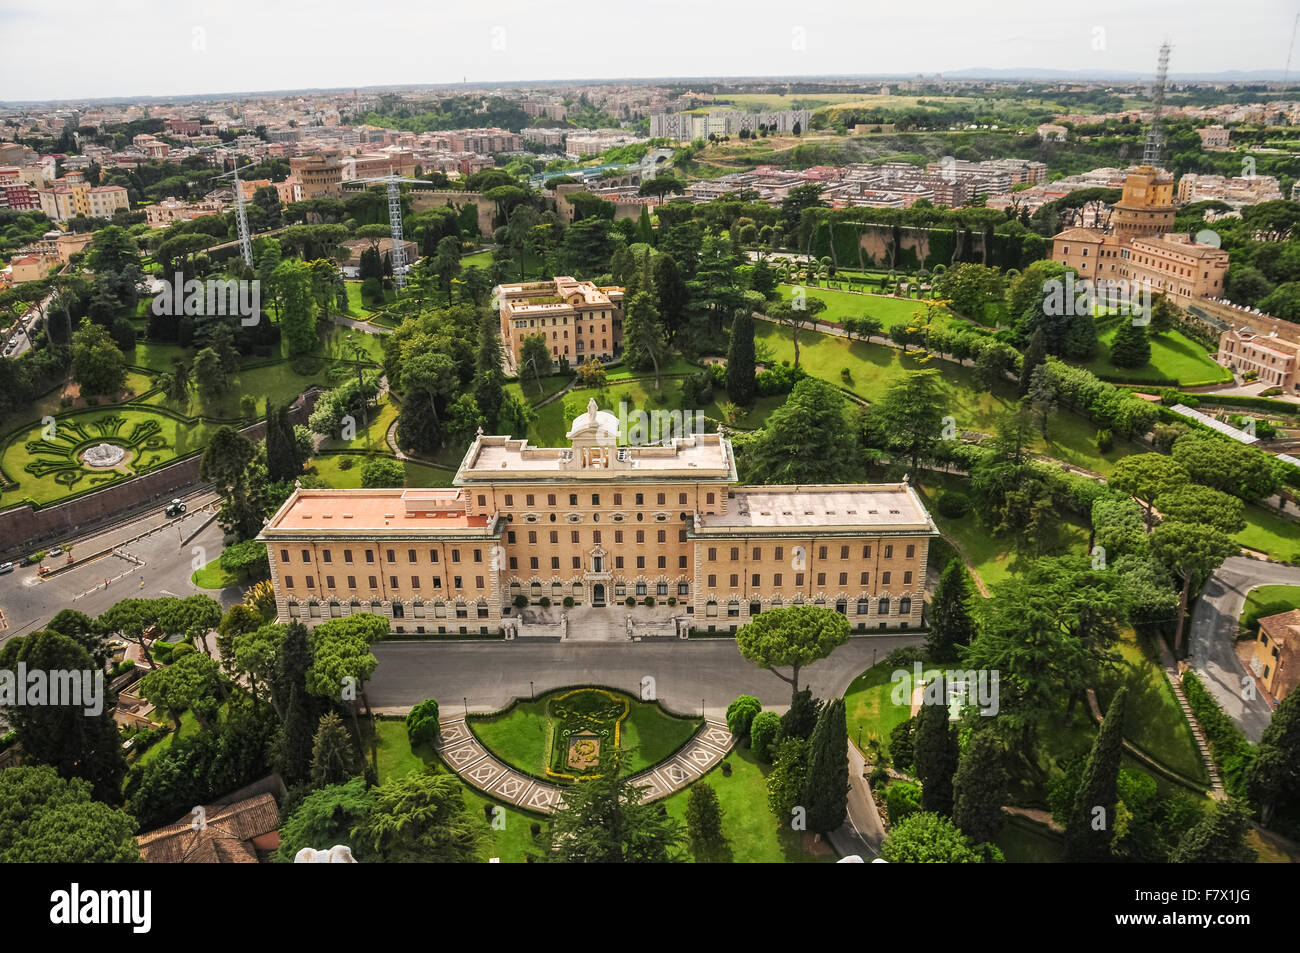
(1286, 73)
(1155, 139)
(241, 216)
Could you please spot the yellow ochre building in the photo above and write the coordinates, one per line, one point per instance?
(599, 524)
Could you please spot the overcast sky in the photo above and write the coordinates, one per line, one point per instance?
(98, 48)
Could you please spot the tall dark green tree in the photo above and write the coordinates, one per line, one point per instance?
(605, 820)
(741, 384)
(805, 440)
(1131, 347)
(951, 624)
(65, 736)
(704, 823)
(826, 786)
(1092, 822)
(333, 759)
(935, 750)
(1035, 354)
(1274, 777)
(1220, 838)
(225, 465)
(979, 788)
(800, 719)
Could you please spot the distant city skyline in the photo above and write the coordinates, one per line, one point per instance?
(134, 48)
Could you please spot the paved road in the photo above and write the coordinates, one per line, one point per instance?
(29, 601)
(1215, 622)
(490, 674)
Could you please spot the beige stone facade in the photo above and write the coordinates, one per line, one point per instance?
(599, 523)
(578, 319)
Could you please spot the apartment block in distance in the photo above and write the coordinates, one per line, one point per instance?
(578, 319)
(602, 525)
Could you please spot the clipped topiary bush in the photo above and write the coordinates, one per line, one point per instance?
(953, 504)
(422, 723)
(762, 735)
(740, 715)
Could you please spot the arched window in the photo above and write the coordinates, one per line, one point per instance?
(905, 606)
(882, 608)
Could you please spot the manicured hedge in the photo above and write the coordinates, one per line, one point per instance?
(1232, 753)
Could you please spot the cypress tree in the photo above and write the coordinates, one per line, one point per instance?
(979, 788)
(1035, 354)
(826, 786)
(644, 231)
(741, 384)
(704, 822)
(1130, 347)
(293, 741)
(801, 718)
(489, 389)
(950, 618)
(935, 752)
(333, 760)
(1089, 832)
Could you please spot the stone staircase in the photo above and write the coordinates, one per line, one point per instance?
(1216, 783)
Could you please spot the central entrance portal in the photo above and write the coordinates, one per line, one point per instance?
(598, 595)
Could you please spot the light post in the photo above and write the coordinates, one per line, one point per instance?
(531, 695)
(465, 701)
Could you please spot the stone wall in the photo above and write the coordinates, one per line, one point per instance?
(422, 199)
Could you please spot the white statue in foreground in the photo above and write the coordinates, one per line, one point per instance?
(338, 854)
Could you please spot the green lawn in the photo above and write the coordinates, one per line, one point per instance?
(1266, 601)
(991, 556)
(874, 367)
(371, 434)
(1274, 535)
(870, 708)
(851, 304)
(1024, 842)
(330, 468)
(511, 843)
(527, 387)
(212, 576)
(1153, 719)
(1172, 355)
(520, 737)
(752, 833)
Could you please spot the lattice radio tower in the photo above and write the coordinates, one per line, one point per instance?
(241, 216)
(1155, 138)
(394, 184)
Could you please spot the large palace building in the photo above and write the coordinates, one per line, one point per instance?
(599, 524)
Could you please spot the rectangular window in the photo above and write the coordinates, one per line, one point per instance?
(618, 536)
(532, 538)
(821, 552)
(713, 581)
(884, 578)
(510, 499)
(864, 579)
(410, 555)
(798, 579)
(329, 582)
(911, 552)
(478, 582)
(532, 562)
(780, 553)
(577, 562)
(618, 499)
(555, 562)
(455, 555)
(640, 536)
(776, 579)
(681, 499)
(392, 556)
(663, 536)
(821, 579)
(306, 555)
(433, 554)
(550, 499)
(347, 555)
(352, 582)
(907, 578)
(713, 554)
(708, 498)
(844, 579)
(415, 582)
(640, 562)
(660, 499)
(456, 582)
(437, 582)
(735, 553)
(889, 552)
(288, 582)
(595, 499)
(663, 562)
(681, 562)
(618, 562)
(326, 556)
(573, 537)
(478, 555)
(374, 582)
(528, 500)
(392, 582)
(284, 555)
(844, 552)
(370, 555)
(555, 538)
(753, 580)
(735, 580)
(514, 563)
(758, 554)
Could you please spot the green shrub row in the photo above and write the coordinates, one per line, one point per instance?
(1232, 753)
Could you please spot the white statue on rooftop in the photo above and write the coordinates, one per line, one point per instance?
(592, 408)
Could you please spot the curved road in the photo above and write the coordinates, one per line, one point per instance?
(1215, 622)
(489, 674)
